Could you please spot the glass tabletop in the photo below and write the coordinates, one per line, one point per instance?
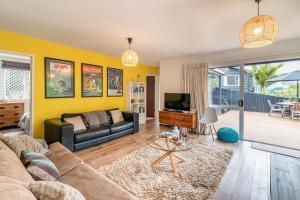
(167, 144)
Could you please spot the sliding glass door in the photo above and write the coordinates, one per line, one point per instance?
(271, 93)
(225, 91)
(259, 100)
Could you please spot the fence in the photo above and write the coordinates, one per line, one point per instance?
(253, 102)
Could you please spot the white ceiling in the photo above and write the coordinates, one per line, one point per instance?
(161, 29)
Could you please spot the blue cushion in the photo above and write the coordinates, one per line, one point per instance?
(227, 134)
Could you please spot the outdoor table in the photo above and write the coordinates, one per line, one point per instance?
(286, 104)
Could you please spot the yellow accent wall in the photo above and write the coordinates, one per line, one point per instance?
(51, 108)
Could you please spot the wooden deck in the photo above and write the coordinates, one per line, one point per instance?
(248, 175)
(260, 127)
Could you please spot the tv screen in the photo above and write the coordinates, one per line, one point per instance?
(177, 101)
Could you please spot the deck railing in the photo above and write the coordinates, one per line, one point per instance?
(253, 102)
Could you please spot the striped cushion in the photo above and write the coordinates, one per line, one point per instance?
(39, 166)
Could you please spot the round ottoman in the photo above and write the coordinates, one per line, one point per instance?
(227, 134)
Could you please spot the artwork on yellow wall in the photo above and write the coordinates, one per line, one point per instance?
(91, 80)
(114, 82)
(59, 78)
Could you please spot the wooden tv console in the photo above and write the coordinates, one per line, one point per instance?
(180, 119)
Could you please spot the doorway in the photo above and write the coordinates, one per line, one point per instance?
(150, 97)
(15, 93)
(263, 109)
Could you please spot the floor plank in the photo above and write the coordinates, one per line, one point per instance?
(244, 182)
(261, 177)
(282, 185)
(230, 178)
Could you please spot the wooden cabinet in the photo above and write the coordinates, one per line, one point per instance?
(187, 120)
(10, 114)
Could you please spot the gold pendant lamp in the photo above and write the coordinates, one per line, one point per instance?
(129, 57)
(259, 31)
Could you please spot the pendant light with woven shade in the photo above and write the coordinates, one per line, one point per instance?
(259, 31)
(129, 57)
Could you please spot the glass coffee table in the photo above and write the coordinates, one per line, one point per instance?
(167, 145)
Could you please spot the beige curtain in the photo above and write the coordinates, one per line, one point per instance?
(195, 82)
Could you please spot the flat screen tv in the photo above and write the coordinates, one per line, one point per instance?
(178, 101)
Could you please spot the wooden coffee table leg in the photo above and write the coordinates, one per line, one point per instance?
(161, 158)
(169, 153)
(172, 163)
(178, 157)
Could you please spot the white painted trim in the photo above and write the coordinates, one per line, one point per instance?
(31, 86)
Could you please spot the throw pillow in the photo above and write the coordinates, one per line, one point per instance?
(24, 143)
(92, 119)
(116, 116)
(102, 117)
(54, 190)
(77, 122)
(11, 189)
(40, 167)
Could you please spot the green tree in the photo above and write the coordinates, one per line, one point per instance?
(264, 72)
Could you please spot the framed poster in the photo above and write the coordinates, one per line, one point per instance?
(114, 82)
(91, 80)
(59, 78)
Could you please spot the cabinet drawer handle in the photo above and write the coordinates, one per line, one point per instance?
(16, 106)
(1, 115)
(1, 122)
(16, 121)
(16, 114)
(2, 107)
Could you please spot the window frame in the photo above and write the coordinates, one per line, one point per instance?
(26, 89)
(236, 80)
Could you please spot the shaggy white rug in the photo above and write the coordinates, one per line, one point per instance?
(197, 178)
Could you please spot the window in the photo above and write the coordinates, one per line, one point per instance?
(232, 80)
(16, 83)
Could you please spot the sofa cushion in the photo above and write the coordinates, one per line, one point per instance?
(63, 159)
(69, 115)
(3, 146)
(116, 116)
(92, 118)
(120, 126)
(53, 190)
(110, 121)
(24, 143)
(11, 189)
(12, 167)
(39, 166)
(77, 123)
(103, 117)
(91, 133)
(93, 185)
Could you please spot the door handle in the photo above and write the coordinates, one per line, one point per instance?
(241, 103)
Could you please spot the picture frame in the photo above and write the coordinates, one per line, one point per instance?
(114, 82)
(91, 80)
(59, 78)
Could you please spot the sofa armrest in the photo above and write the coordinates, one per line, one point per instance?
(132, 117)
(57, 130)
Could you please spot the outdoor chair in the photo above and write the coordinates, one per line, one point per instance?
(295, 111)
(275, 109)
(207, 121)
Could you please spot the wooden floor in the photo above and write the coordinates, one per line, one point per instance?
(260, 127)
(248, 175)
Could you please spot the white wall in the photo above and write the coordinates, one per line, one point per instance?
(171, 70)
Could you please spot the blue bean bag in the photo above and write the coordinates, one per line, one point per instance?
(227, 134)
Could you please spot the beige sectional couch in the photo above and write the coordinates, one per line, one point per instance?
(74, 172)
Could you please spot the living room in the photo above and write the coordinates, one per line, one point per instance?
(115, 100)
